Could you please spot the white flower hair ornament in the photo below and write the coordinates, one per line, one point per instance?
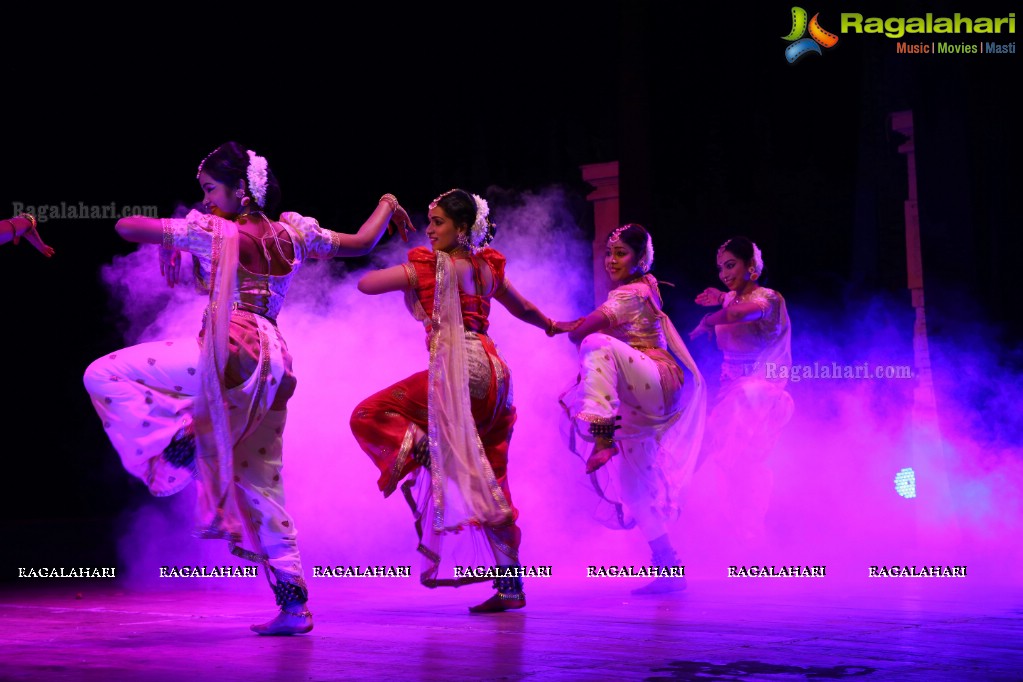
(757, 264)
(482, 231)
(257, 177)
(646, 261)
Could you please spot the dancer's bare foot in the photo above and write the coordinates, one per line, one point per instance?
(287, 622)
(603, 451)
(35, 240)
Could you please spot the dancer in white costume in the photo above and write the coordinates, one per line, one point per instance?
(753, 332)
(630, 403)
(214, 408)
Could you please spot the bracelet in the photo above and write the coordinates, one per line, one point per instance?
(550, 331)
(29, 217)
(606, 430)
(392, 200)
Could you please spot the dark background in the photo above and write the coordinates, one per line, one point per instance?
(716, 134)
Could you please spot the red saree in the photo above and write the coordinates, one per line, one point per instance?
(389, 424)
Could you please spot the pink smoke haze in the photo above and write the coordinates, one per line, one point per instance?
(834, 499)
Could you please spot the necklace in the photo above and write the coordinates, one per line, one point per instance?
(742, 298)
(243, 218)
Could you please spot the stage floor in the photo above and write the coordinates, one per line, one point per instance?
(380, 629)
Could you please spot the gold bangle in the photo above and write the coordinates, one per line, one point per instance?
(392, 200)
(168, 234)
(29, 217)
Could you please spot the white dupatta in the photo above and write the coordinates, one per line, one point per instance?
(464, 490)
(681, 444)
(215, 451)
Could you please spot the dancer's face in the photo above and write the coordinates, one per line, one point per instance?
(620, 261)
(218, 197)
(732, 270)
(441, 231)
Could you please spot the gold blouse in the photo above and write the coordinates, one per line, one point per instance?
(744, 344)
(634, 316)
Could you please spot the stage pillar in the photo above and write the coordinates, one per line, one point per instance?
(604, 179)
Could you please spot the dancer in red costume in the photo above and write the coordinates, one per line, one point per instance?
(448, 428)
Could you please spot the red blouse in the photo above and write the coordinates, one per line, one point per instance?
(421, 270)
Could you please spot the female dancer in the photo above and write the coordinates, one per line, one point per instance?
(453, 422)
(629, 401)
(753, 332)
(217, 408)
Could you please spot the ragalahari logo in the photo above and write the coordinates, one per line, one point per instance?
(802, 46)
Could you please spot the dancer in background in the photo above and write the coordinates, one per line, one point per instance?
(215, 407)
(753, 332)
(629, 402)
(24, 225)
(449, 427)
